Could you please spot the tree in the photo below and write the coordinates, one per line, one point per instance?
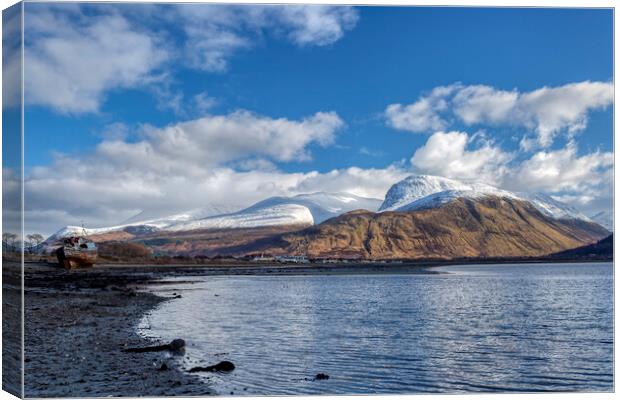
(8, 241)
(38, 238)
(34, 240)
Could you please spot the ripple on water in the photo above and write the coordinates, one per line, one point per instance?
(477, 328)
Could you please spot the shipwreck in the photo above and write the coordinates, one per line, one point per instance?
(76, 252)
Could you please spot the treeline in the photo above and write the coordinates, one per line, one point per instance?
(11, 243)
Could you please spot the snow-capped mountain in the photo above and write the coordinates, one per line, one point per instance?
(253, 217)
(426, 191)
(415, 192)
(155, 218)
(323, 205)
(303, 209)
(144, 221)
(510, 227)
(605, 219)
(72, 230)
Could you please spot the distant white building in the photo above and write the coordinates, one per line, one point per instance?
(292, 259)
(263, 258)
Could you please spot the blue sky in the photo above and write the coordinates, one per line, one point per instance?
(513, 97)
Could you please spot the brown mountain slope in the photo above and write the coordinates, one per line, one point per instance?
(203, 242)
(488, 227)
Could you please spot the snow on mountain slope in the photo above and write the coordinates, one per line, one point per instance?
(280, 214)
(71, 230)
(324, 205)
(605, 219)
(144, 221)
(283, 214)
(303, 209)
(552, 207)
(425, 191)
(412, 193)
(155, 218)
(437, 199)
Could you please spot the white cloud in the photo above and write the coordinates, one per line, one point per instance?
(371, 152)
(209, 47)
(423, 115)
(580, 199)
(584, 181)
(76, 55)
(168, 98)
(216, 32)
(371, 182)
(447, 154)
(479, 103)
(73, 59)
(11, 199)
(11, 56)
(417, 117)
(317, 24)
(217, 139)
(545, 111)
(203, 102)
(115, 131)
(550, 110)
(564, 169)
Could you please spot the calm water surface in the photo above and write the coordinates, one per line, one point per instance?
(542, 327)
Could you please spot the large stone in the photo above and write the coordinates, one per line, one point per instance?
(223, 366)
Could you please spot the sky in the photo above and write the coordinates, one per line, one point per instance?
(159, 109)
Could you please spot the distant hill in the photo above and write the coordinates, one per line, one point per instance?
(601, 250)
(488, 226)
(604, 218)
(300, 211)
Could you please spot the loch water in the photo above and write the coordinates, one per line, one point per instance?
(470, 328)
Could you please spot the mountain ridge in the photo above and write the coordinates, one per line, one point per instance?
(491, 226)
(427, 191)
(469, 220)
(301, 209)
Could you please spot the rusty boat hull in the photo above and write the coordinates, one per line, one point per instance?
(73, 258)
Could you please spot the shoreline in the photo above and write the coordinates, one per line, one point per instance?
(76, 329)
(271, 268)
(65, 310)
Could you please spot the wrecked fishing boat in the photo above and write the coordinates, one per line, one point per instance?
(76, 252)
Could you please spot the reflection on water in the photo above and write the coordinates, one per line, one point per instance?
(533, 327)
